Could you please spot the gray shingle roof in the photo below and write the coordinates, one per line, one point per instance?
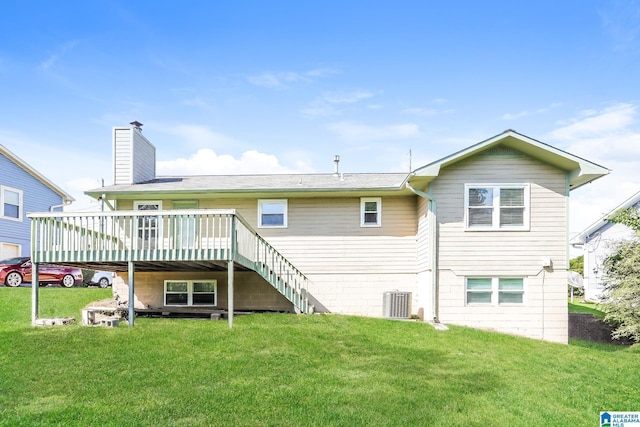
(266, 183)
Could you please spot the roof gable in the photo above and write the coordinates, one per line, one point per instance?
(37, 175)
(580, 171)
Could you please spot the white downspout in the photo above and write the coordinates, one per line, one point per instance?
(433, 248)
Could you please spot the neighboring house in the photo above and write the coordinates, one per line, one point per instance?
(478, 238)
(596, 242)
(22, 190)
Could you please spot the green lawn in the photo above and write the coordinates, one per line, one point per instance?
(278, 369)
(585, 307)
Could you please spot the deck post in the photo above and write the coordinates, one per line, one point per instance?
(132, 313)
(34, 293)
(230, 292)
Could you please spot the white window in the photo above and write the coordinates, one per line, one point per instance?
(272, 213)
(496, 206)
(494, 290)
(190, 292)
(11, 203)
(370, 212)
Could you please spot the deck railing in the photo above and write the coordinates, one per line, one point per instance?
(175, 235)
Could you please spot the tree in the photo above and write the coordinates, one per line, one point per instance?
(629, 217)
(577, 264)
(622, 279)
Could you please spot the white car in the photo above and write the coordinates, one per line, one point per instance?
(104, 279)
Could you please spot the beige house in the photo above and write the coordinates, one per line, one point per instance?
(478, 238)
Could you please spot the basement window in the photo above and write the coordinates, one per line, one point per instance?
(190, 292)
(494, 290)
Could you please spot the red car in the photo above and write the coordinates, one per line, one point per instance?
(15, 271)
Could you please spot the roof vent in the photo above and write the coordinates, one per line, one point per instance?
(136, 124)
(336, 163)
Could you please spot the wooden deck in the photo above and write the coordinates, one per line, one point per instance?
(171, 240)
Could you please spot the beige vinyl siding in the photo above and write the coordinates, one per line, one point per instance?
(464, 253)
(144, 158)
(350, 267)
(324, 235)
(122, 152)
(478, 252)
(134, 157)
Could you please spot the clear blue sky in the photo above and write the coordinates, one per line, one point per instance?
(257, 86)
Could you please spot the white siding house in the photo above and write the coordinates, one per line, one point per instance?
(478, 238)
(596, 242)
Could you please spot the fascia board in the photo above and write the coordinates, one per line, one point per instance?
(602, 221)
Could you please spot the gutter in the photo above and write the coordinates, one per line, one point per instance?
(433, 248)
(67, 202)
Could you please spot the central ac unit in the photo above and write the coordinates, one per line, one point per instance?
(396, 305)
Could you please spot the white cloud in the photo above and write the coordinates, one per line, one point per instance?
(197, 102)
(346, 97)
(320, 110)
(597, 123)
(283, 79)
(275, 80)
(355, 132)
(207, 162)
(198, 136)
(526, 113)
(55, 56)
(611, 138)
(429, 111)
(326, 105)
(424, 112)
(620, 20)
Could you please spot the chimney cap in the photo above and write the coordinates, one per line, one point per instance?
(136, 124)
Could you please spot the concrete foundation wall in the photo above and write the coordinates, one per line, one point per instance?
(251, 292)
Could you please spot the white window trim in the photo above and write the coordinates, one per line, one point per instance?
(136, 206)
(138, 203)
(20, 203)
(495, 292)
(363, 201)
(285, 219)
(495, 223)
(190, 293)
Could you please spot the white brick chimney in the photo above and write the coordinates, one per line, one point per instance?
(134, 157)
